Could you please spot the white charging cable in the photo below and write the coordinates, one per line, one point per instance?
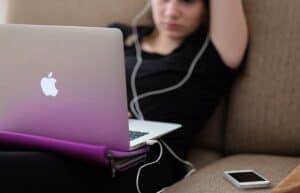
(149, 142)
(192, 169)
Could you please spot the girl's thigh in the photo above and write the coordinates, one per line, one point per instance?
(22, 171)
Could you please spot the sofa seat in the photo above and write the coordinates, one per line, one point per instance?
(209, 179)
(201, 157)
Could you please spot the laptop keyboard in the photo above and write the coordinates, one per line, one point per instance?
(136, 134)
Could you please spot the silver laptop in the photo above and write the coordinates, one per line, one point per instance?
(69, 83)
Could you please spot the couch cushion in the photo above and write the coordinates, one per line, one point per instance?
(202, 157)
(210, 178)
(264, 114)
(73, 12)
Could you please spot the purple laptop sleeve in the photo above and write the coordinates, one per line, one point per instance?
(94, 154)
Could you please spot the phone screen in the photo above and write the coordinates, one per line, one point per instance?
(246, 177)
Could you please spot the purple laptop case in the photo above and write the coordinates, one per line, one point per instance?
(96, 154)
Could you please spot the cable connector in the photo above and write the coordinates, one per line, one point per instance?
(151, 142)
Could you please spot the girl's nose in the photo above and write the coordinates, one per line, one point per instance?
(172, 9)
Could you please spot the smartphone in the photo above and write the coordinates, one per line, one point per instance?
(246, 179)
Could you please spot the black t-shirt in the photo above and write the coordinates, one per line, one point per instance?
(190, 105)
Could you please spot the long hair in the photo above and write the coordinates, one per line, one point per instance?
(203, 28)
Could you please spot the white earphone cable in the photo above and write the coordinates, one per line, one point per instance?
(134, 103)
(137, 112)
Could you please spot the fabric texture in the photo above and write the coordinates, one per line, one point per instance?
(264, 108)
(209, 179)
(73, 12)
(202, 157)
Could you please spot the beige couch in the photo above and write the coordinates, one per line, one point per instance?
(258, 125)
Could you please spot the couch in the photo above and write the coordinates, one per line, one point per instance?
(257, 126)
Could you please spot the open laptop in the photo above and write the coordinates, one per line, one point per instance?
(69, 83)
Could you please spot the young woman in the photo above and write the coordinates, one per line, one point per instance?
(168, 48)
(179, 30)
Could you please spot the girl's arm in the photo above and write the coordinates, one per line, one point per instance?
(228, 30)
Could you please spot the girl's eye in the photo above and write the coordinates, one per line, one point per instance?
(189, 1)
(183, 1)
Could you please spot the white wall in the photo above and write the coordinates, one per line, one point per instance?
(3, 8)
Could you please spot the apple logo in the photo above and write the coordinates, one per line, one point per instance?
(48, 85)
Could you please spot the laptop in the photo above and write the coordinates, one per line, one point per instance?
(69, 83)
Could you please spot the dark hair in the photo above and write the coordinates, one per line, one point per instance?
(206, 22)
(203, 29)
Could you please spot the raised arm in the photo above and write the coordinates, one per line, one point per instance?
(228, 30)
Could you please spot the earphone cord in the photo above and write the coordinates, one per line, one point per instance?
(137, 112)
(134, 103)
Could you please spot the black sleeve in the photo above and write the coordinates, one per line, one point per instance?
(217, 64)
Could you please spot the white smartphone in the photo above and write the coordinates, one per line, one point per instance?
(246, 179)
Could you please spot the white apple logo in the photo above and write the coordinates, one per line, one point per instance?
(48, 85)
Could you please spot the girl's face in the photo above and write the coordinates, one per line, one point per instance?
(178, 18)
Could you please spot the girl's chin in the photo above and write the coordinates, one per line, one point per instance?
(175, 35)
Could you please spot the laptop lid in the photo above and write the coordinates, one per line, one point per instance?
(64, 82)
